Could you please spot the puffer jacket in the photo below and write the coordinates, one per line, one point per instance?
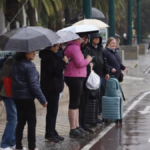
(25, 82)
(77, 64)
(52, 65)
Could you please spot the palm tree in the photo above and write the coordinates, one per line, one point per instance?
(47, 7)
(10, 10)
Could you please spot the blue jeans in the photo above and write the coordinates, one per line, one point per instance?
(9, 136)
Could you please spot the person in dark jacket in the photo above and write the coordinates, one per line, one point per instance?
(100, 66)
(25, 88)
(9, 136)
(52, 84)
(113, 58)
(84, 95)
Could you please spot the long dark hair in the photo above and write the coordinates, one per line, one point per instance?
(20, 56)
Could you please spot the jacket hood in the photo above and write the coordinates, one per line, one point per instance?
(96, 35)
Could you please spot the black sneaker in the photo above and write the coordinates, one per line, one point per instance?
(76, 134)
(52, 140)
(59, 137)
(88, 130)
(83, 131)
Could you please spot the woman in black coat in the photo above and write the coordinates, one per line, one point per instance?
(113, 58)
(25, 88)
(100, 66)
(52, 84)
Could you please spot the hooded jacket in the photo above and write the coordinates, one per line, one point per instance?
(99, 59)
(77, 64)
(52, 66)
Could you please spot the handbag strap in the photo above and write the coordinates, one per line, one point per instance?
(115, 54)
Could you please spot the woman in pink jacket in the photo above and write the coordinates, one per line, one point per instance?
(75, 74)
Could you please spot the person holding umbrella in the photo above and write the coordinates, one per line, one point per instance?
(25, 88)
(25, 78)
(52, 84)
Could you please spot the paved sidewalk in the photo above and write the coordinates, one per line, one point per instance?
(62, 119)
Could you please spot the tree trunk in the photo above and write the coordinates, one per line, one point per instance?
(67, 16)
(2, 24)
(12, 7)
(59, 24)
(31, 15)
(51, 24)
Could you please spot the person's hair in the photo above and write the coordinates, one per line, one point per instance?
(20, 56)
(82, 34)
(109, 41)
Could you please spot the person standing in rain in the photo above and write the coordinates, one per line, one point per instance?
(114, 62)
(25, 88)
(9, 136)
(75, 74)
(113, 58)
(84, 95)
(52, 84)
(100, 66)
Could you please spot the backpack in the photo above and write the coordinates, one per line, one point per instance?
(2, 60)
(113, 88)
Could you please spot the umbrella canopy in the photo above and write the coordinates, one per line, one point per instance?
(80, 28)
(97, 23)
(28, 39)
(67, 36)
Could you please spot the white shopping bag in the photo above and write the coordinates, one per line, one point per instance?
(93, 81)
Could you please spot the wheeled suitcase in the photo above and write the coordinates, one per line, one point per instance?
(112, 108)
(92, 108)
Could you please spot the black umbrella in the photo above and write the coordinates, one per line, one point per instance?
(28, 39)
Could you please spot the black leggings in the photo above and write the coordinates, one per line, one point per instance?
(75, 85)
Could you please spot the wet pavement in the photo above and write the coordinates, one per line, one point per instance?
(134, 134)
(131, 136)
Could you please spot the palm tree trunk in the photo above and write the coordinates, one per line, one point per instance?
(12, 7)
(31, 15)
(67, 16)
(59, 24)
(51, 24)
(2, 24)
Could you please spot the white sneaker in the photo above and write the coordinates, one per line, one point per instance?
(13, 147)
(7, 148)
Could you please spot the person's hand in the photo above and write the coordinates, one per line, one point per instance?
(113, 70)
(91, 65)
(65, 59)
(89, 58)
(125, 70)
(107, 76)
(45, 105)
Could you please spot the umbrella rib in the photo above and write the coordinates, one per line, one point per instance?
(27, 38)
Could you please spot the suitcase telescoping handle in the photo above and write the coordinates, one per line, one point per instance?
(122, 92)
